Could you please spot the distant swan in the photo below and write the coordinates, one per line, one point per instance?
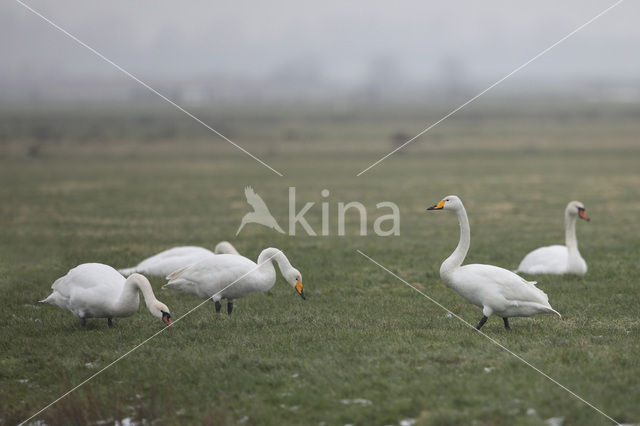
(495, 290)
(230, 277)
(165, 262)
(558, 259)
(94, 290)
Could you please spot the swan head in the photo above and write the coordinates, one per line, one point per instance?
(160, 310)
(225, 247)
(450, 202)
(294, 278)
(576, 208)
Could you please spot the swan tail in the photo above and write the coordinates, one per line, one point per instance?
(175, 274)
(553, 311)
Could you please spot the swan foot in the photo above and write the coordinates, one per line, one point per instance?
(229, 307)
(481, 323)
(110, 322)
(218, 307)
(506, 323)
(83, 322)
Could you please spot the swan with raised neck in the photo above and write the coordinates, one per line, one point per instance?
(559, 259)
(494, 289)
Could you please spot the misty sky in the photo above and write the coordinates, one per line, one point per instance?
(336, 40)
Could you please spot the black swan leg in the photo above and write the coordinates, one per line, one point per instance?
(218, 307)
(83, 322)
(229, 307)
(481, 323)
(506, 323)
(110, 322)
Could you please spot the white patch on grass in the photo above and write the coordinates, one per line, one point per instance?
(555, 421)
(448, 315)
(244, 419)
(489, 369)
(531, 412)
(23, 380)
(407, 422)
(295, 375)
(359, 401)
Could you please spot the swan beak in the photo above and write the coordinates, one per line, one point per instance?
(166, 318)
(583, 215)
(299, 290)
(438, 206)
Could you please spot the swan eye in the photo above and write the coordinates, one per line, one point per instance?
(167, 314)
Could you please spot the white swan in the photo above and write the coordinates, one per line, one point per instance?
(495, 290)
(165, 262)
(559, 259)
(230, 277)
(94, 290)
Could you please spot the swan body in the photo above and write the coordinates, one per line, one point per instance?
(165, 262)
(230, 277)
(558, 259)
(495, 290)
(94, 290)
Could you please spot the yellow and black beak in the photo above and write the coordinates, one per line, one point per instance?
(438, 206)
(582, 214)
(299, 290)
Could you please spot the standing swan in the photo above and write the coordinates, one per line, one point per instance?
(559, 259)
(495, 290)
(229, 277)
(94, 290)
(165, 262)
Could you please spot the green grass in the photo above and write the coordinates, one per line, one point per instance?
(361, 333)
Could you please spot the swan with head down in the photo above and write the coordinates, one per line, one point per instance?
(94, 290)
(167, 261)
(230, 277)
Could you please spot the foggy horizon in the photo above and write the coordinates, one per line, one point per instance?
(286, 49)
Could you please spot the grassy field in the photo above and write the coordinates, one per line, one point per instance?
(363, 348)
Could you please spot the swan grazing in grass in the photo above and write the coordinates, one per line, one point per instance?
(165, 262)
(559, 259)
(94, 290)
(230, 277)
(495, 290)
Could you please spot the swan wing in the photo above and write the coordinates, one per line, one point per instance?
(90, 288)
(210, 276)
(502, 283)
(169, 260)
(545, 260)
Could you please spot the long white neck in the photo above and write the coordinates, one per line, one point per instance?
(570, 232)
(265, 261)
(458, 255)
(128, 300)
